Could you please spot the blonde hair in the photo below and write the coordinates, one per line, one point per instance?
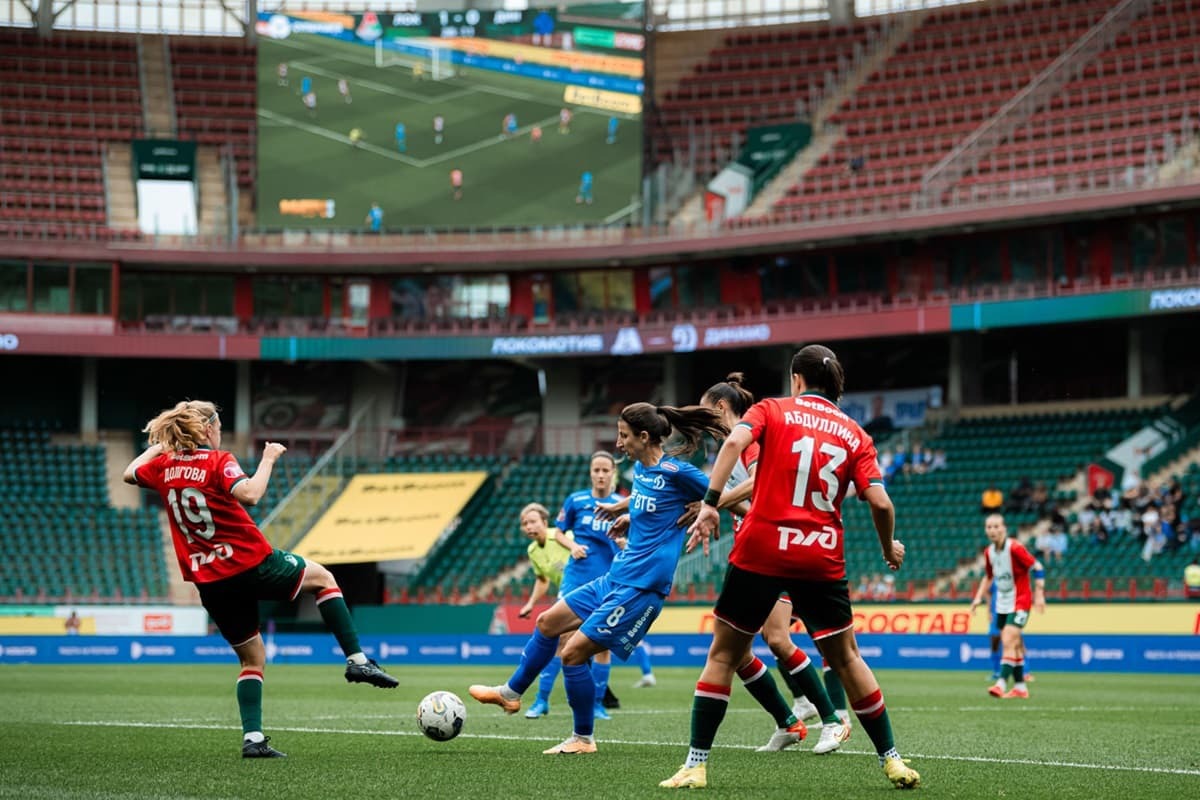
(539, 508)
(182, 427)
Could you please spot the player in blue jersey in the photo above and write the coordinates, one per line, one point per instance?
(305, 85)
(585, 189)
(611, 138)
(401, 137)
(592, 552)
(613, 611)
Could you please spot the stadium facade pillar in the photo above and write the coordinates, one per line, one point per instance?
(1144, 359)
(962, 377)
(560, 406)
(375, 384)
(677, 381)
(243, 442)
(841, 12)
(88, 402)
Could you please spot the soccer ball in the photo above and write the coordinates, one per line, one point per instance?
(441, 715)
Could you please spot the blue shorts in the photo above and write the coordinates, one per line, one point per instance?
(993, 624)
(615, 616)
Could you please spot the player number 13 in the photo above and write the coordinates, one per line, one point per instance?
(822, 501)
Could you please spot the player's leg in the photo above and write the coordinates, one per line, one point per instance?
(581, 693)
(643, 657)
(617, 624)
(315, 578)
(836, 692)
(743, 606)
(601, 667)
(253, 657)
(562, 617)
(777, 634)
(233, 606)
(1016, 623)
(825, 609)
(994, 644)
(1009, 635)
(546, 679)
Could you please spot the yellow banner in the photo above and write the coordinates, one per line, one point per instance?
(38, 626)
(1081, 618)
(529, 54)
(388, 517)
(600, 98)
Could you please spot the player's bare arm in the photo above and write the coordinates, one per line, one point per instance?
(152, 452)
(578, 551)
(540, 587)
(707, 524)
(985, 585)
(883, 514)
(612, 510)
(249, 492)
(1039, 587)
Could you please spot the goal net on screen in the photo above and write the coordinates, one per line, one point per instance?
(420, 60)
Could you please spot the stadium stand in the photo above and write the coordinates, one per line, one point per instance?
(1134, 105)
(958, 67)
(756, 77)
(216, 97)
(61, 538)
(63, 101)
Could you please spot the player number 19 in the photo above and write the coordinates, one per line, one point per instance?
(192, 513)
(822, 501)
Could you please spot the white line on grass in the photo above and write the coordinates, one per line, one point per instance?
(616, 215)
(372, 85)
(635, 743)
(489, 142)
(317, 130)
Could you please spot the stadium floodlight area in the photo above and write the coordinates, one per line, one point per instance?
(429, 60)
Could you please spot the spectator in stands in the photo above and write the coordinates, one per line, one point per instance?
(863, 592)
(1175, 535)
(1021, 498)
(857, 162)
(1191, 580)
(1154, 539)
(885, 590)
(939, 460)
(992, 500)
(1039, 500)
(72, 624)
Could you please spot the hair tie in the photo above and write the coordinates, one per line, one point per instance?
(825, 361)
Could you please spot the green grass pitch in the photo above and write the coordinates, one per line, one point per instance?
(171, 731)
(505, 181)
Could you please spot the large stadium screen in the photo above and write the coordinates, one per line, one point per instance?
(451, 118)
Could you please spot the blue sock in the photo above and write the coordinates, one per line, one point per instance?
(643, 657)
(547, 678)
(996, 655)
(538, 652)
(600, 676)
(581, 694)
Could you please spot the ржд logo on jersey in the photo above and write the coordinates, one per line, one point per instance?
(826, 538)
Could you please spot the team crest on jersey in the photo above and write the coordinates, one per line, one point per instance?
(232, 470)
(669, 467)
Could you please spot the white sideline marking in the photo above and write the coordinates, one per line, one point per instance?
(325, 133)
(637, 743)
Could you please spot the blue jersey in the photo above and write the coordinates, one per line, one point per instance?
(660, 495)
(305, 85)
(612, 125)
(376, 215)
(585, 182)
(400, 130)
(578, 516)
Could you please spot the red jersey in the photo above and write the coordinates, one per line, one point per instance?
(810, 453)
(214, 536)
(1009, 568)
